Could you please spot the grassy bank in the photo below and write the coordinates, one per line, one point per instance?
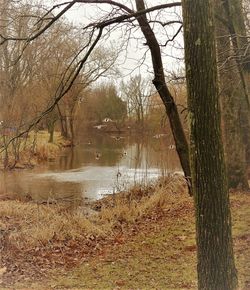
(33, 149)
(141, 239)
(44, 150)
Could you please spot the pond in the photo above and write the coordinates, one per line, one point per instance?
(97, 165)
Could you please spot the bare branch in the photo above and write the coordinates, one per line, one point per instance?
(174, 36)
(163, 24)
(62, 92)
(108, 22)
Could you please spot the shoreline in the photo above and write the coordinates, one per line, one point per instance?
(62, 240)
(36, 150)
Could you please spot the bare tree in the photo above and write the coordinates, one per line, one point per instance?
(241, 46)
(33, 74)
(137, 92)
(216, 268)
(232, 98)
(116, 16)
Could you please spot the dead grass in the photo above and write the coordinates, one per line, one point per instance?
(36, 148)
(128, 207)
(38, 224)
(141, 239)
(43, 149)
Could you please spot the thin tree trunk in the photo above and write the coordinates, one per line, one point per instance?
(72, 135)
(168, 101)
(6, 153)
(62, 122)
(67, 123)
(241, 46)
(51, 129)
(216, 268)
(231, 92)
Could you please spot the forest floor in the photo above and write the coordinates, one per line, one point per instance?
(142, 239)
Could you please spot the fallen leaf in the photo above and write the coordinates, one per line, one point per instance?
(2, 271)
(120, 283)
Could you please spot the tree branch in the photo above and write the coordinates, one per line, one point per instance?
(62, 92)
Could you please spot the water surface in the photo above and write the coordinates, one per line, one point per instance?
(97, 165)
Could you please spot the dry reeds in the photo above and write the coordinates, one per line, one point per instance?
(138, 202)
(36, 225)
(45, 150)
(34, 148)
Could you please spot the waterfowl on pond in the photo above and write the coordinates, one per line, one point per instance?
(97, 155)
(117, 138)
(171, 147)
(124, 153)
(118, 174)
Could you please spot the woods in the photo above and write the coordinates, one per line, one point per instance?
(79, 77)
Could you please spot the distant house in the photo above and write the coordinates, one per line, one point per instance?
(107, 120)
(171, 147)
(99, 127)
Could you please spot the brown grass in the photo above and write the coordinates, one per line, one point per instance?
(38, 224)
(135, 204)
(34, 149)
(149, 230)
(45, 150)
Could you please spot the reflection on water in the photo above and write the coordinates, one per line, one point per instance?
(98, 165)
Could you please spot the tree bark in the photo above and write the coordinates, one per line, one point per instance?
(62, 122)
(241, 46)
(231, 96)
(216, 268)
(168, 101)
(72, 135)
(51, 129)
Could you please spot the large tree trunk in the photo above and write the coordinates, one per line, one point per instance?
(231, 95)
(168, 101)
(216, 268)
(241, 45)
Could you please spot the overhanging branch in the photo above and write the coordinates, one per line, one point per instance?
(62, 91)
